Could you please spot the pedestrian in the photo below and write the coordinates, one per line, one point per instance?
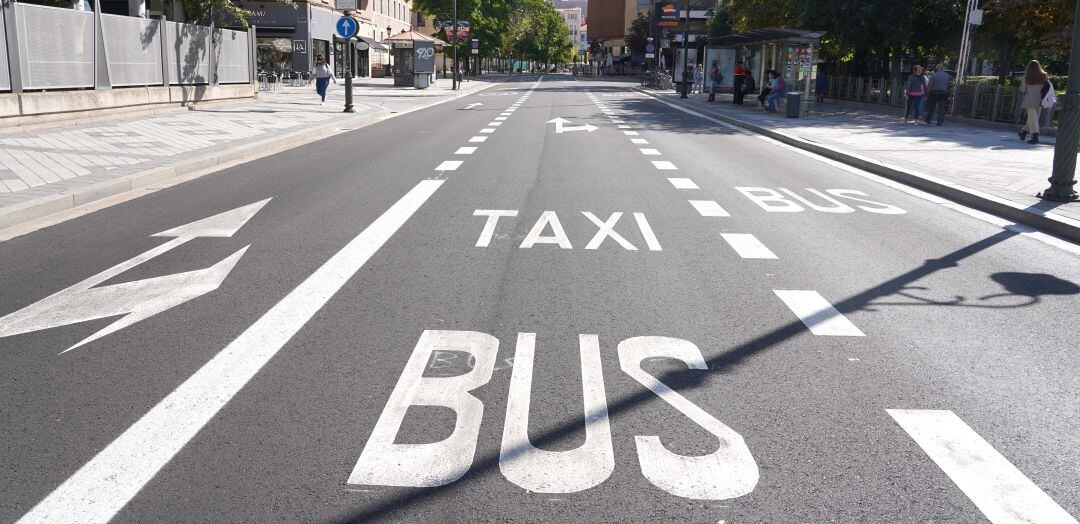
(1035, 89)
(821, 84)
(748, 84)
(939, 94)
(714, 78)
(779, 87)
(323, 74)
(740, 81)
(699, 79)
(913, 92)
(766, 87)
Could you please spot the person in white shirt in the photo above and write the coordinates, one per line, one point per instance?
(323, 74)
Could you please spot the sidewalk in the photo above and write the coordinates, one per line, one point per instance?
(57, 168)
(986, 168)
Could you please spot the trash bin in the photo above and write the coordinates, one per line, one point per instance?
(794, 105)
(420, 80)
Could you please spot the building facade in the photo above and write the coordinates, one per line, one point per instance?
(572, 18)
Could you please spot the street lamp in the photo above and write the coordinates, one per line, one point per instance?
(1068, 136)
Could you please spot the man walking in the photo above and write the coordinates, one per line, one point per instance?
(939, 93)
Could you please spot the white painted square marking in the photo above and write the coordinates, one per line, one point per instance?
(478, 139)
(1000, 490)
(630, 133)
(647, 151)
(664, 165)
(465, 151)
(709, 208)
(747, 245)
(817, 313)
(683, 183)
(488, 130)
(639, 141)
(449, 165)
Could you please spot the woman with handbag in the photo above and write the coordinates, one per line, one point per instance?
(914, 91)
(1035, 88)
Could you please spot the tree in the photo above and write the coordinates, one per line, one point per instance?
(719, 24)
(1014, 30)
(637, 37)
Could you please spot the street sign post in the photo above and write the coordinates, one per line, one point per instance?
(347, 27)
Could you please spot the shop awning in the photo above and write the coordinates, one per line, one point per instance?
(372, 43)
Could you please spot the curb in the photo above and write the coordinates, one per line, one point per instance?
(1047, 221)
(48, 205)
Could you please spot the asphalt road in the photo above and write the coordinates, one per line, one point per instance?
(830, 348)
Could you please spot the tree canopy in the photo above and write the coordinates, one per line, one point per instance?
(530, 29)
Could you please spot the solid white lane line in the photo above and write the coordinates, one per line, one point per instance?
(683, 183)
(747, 245)
(709, 208)
(647, 151)
(664, 165)
(465, 151)
(639, 141)
(1000, 490)
(819, 316)
(105, 484)
(478, 139)
(488, 130)
(449, 165)
(630, 133)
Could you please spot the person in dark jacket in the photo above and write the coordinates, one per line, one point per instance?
(939, 94)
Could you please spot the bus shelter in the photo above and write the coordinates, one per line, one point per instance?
(791, 52)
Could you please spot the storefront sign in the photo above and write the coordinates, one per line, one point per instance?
(298, 46)
(667, 14)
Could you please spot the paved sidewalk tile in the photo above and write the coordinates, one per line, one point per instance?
(985, 159)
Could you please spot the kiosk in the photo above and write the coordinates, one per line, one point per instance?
(414, 58)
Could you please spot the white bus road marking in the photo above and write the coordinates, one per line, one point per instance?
(709, 208)
(683, 183)
(818, 314)
(664, 165)
(1000, 490)
(105, 484)
(465, 151)
(747, 245)
(449, 165)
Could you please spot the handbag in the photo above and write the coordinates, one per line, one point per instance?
(1050, 99)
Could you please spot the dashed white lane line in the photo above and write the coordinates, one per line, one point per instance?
(647, 151)
(465, 151)
(495, 124)
(664, 165)
(819, 316)
(1000, 490)
(623, 126)
(488, 130)
(630, 133)
(478, 139)
(709, 208)
(500, 118)
(747, 245)
(504, 115)
(449, 165)
(683, 183)
(639, 141)
(105, 484)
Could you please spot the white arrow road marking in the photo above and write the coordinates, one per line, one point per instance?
(474, 104)
(140, 299)
(105, 484)
(561, 127)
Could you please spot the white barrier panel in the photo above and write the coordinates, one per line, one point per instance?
(232, 54)
(189, 59)
(5, 78)
(132, 50)
(56, 46)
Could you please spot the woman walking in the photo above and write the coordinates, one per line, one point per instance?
(914, 91)
(323, 75)
(1033, 88)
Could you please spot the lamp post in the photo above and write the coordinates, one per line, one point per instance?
(685, 51)
(453, 42)
(1068, 136)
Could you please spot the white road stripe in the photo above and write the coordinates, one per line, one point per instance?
(683, 183)
(623, 126)
(478, 139)
(500, 118)
(630, 133)
(997, 488)
(105, 484)
(664, 165)
(647, 232)
(639, 141)
(465, 151)
(504, 115)
(494, 124)
(647, 151)
(488, 130)
(449, 165)
(709, 208)
(818, 314)
(747, 245)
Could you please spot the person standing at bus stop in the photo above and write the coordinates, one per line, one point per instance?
(740, 84)
(323, 74)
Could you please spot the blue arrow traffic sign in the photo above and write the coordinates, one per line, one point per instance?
(347, 27)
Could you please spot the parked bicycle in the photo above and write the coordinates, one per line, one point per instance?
(657, 80)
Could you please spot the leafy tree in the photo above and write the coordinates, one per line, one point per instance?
(1014, 31)
(719, 24)
(637, 36)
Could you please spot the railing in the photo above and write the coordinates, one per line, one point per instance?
(991, 103)
(56, 48)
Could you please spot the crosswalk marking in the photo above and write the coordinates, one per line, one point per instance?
(747, 245)
(709, 208)
(1000, 490)
(819, 316)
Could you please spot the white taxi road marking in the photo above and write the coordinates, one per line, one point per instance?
(747, 245)
(105, 484)
(709, 208)
(819, 316)
(1000, 490)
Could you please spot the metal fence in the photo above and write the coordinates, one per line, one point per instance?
(992, 103)
(57, 48)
